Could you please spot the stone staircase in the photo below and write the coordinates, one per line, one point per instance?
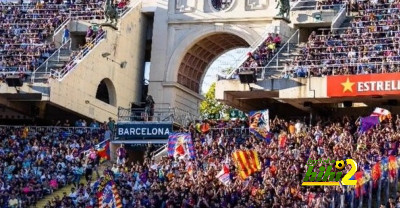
(275, 68)
(56, 61)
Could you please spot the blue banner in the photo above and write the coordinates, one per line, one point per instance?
(144, 130)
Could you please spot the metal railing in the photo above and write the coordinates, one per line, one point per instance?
(142, 114)
(254, 46)
(285, 48)
(55, 55)
(299, 5)
(45, 65)
(157, 153)
(59, 28)
(341, 15)
(174, 115)
(59, 75)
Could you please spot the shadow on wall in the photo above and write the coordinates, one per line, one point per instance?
(315, 17)
(280, 84)
(42, 89)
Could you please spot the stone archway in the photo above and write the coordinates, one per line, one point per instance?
(198, 58)
(194, 55)
(106, 92)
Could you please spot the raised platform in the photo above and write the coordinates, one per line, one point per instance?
(324, 92)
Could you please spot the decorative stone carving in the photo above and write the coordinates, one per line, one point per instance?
(284, 8)
(256, 4)
(221, 5)
(185, 5)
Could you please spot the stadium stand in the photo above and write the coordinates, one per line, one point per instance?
(368, 45)
(36, 161)
(27, 29)
(193, 183)
(365, 43)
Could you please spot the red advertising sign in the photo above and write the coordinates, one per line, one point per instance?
(363, 85)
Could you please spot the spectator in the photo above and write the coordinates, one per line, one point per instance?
(121, 155)
(149, 109)
(277, 40)
(66, 35)
(89, 34)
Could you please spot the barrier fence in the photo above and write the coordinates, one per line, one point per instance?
(174, 115)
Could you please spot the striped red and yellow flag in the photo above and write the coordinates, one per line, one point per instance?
(247, 162)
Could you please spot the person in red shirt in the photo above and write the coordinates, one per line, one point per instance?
(277, 40)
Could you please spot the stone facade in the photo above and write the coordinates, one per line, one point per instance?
(190, 34)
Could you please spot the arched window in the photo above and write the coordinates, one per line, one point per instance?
(106, 92)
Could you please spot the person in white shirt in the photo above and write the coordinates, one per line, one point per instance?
(13, 202)
(298, 126)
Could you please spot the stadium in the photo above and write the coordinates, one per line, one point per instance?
(199, 103)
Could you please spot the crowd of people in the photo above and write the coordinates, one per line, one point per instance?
(370, 45)
(24, 32)
(26, 29)
(91, 39)
(36, 161)
(185, 182)
(260, 57)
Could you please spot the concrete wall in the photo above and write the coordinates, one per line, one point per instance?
(288, 88)
(77, 90)
(308, 16)
(179, 24)
(306, 88)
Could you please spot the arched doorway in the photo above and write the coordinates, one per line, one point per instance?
(106, 92)
(199, 56)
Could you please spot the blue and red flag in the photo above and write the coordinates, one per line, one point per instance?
(107, 193)
(180, 144)
(103, 151)
(269, 137)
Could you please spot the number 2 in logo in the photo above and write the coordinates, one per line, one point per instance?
(346, 179)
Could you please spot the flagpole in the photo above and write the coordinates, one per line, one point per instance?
(387, 190)
(378, 200)
(396, 180)
(352, 199)
(370, 194)
(360, 202)
(342, 196)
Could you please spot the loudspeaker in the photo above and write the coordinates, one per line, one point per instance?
(347, 104)
(247, 77)
(392, 102)
(307, 104)
(14, 81)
